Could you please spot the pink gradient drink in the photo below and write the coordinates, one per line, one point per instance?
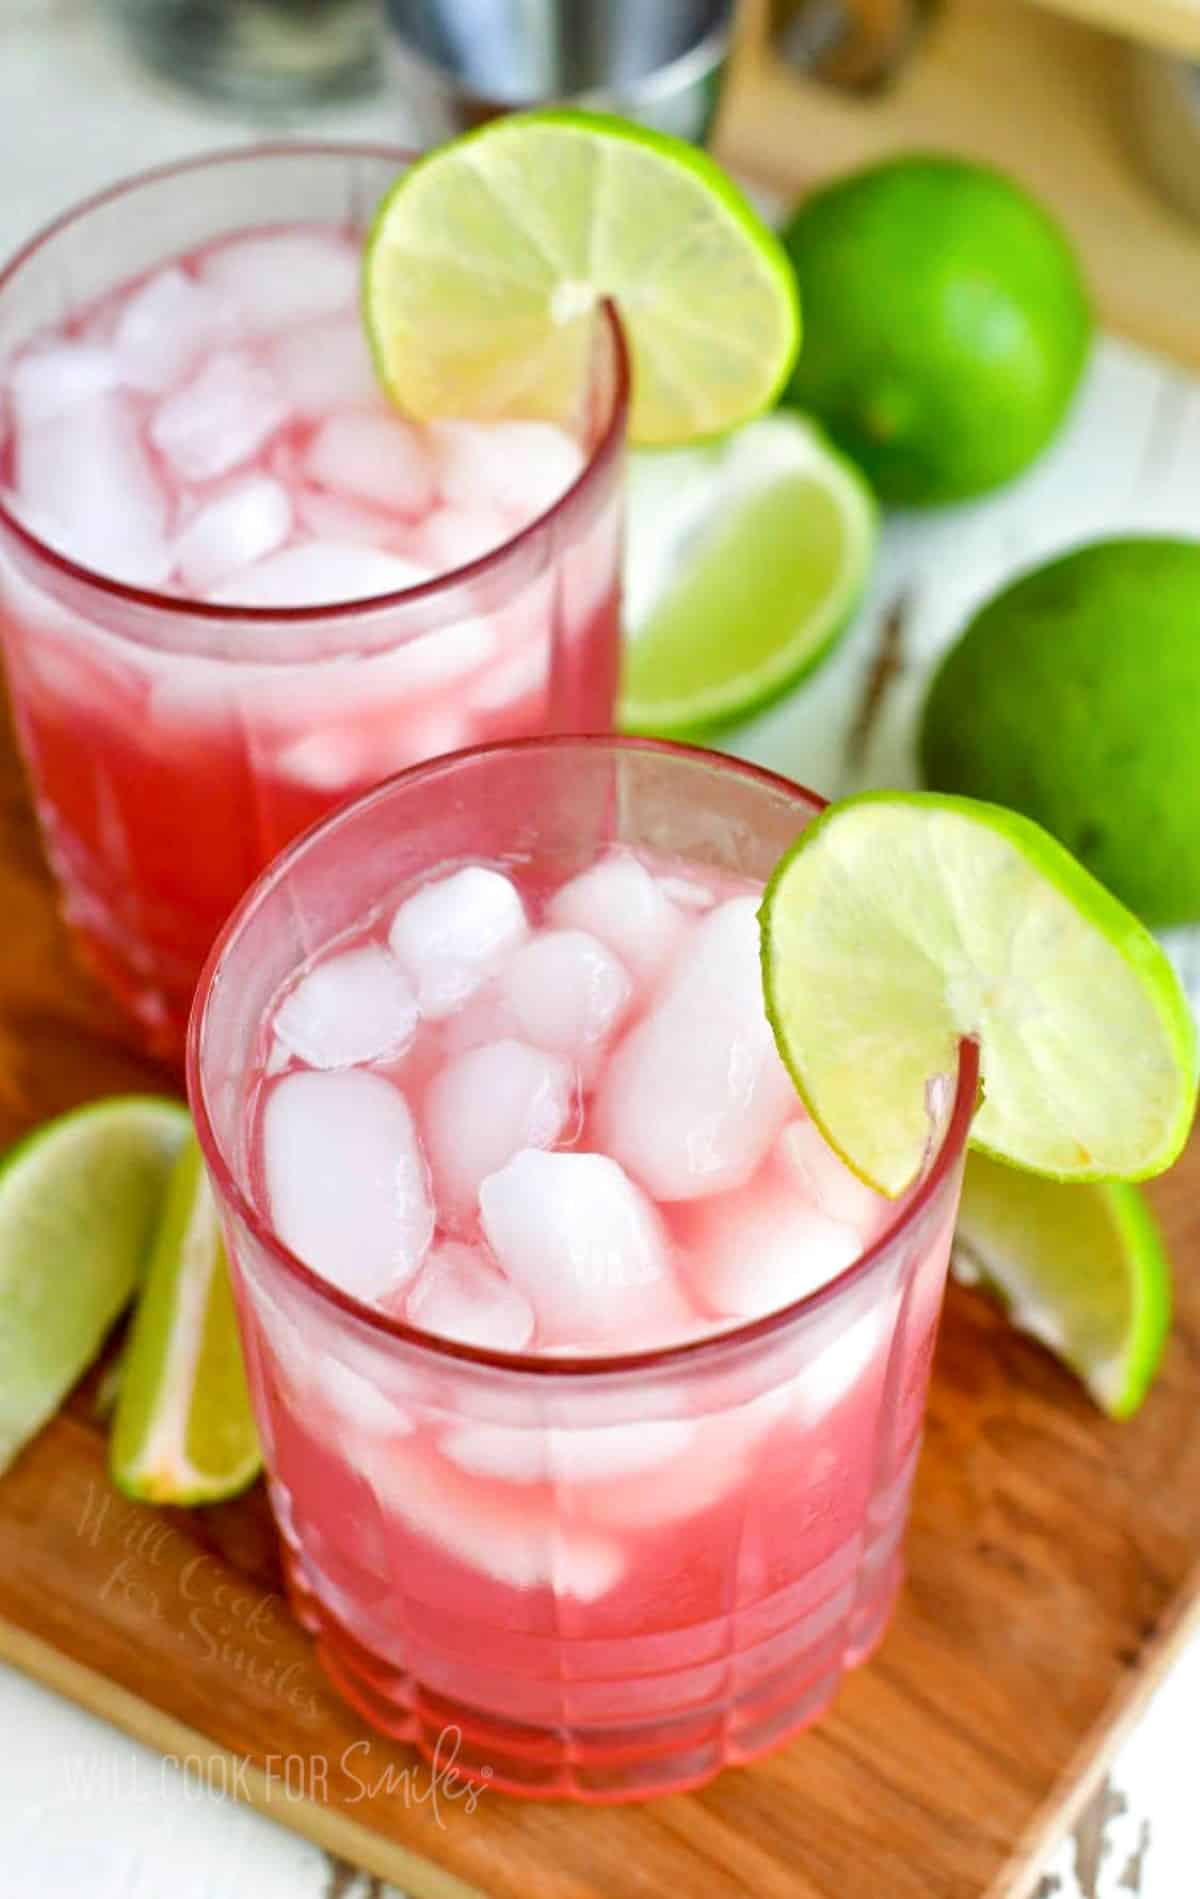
(590, 1382)
(235, 586)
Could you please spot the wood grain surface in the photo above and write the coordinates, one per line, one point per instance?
(1172, 24)
(1045, 96)
(1053, 1567)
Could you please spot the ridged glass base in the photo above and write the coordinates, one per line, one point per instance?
(600, 1765)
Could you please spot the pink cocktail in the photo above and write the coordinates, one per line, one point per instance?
(235, 585)
(590, 1382)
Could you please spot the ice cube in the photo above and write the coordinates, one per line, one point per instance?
(483, 1106)
(329, 518)
(696, 1093)
(843, 1358)
(88, 478)
(325, 366)
(571, 1454)
(318, 573)
(826, 1181)
(51, 379)
(99, 321)
(373, 458)
(583, 1244)
(453, 537)
(459, 1294)
(499, 1450)
(345, 1178)
(620, 902)
(483, 1019)
(514, 680)
(518, 1545)
(221, 417)
(688, 892)
(336, 761)
(436, 659)
(164, 328)
(358, 1403)
(277, 280)
(567, 992)
(451, 935)
(325, 761)
(248, 521)
(355, 1007)
(596, 1454)
(760, 1247)
(714, 1463)
(519, 467)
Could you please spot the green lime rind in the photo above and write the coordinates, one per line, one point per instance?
(184, 1430)
(947, 323)
(900, 923)
(778, 551)
(1049, 701)
(486, 259)
(79, 1202)
(1083, 1268)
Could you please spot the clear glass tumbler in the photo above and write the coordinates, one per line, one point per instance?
(595, 1629)
(175, 746)
(265, 56)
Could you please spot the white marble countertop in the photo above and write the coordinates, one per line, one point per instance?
(83, 1810)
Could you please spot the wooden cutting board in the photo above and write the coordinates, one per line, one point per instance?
(1054, 1566)
(1046, 97)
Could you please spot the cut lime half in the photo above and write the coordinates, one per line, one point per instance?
(745, 562)
(487, 260)
(79, 1202)
(900, 923)
(184, 1432)
(1081, 1267)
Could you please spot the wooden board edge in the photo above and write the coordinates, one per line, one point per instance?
(325, 1826)
(1096, 1752)
(1167, 24)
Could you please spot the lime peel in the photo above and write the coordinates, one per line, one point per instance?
(184, 1430)
(900, 923)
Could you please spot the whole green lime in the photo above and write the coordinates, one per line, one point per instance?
(1074, 696)
(946, 324)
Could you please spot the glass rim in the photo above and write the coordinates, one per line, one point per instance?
(509, 552)
(581, 1365)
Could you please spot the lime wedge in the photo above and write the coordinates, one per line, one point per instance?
(745, 564)
(1082, 1268)
(900, 923)
(79, 1200)
(487, 259)
(184, 1432)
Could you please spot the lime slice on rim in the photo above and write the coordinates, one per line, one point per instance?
(487, 259)
(900, 923)
(79, 1201)
(1080, 1267)
(745, 563)
(184, 1432)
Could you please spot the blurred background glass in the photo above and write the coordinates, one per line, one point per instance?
(461, 61)
(263, 56)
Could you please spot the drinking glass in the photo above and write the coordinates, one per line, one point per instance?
(173, 745)
(589, 1624)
